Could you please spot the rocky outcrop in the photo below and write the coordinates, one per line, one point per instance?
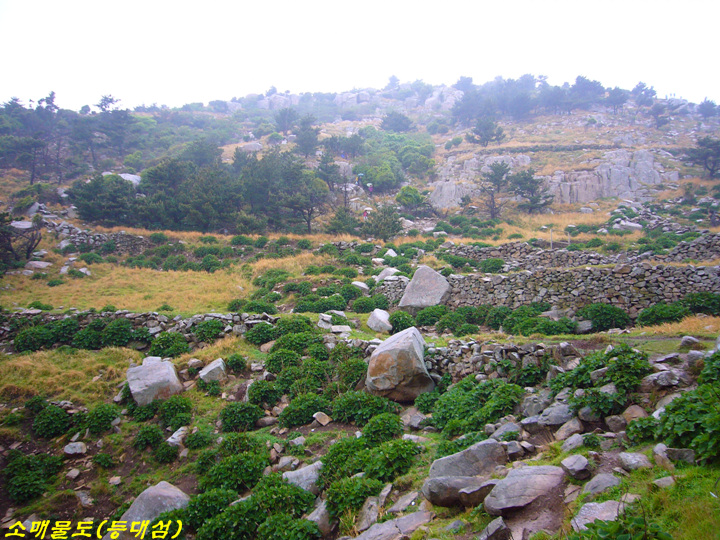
(155, 379)
(479, 459)
(379, 321)
(427, 288)
(397, 368)
(521, 487)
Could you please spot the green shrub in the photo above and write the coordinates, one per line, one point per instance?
(360, 407)
(36, 404)
(165, 453)
(208, 505)
(446, 447)
(55, 282)
(628, 525)
(209, 331)
(662, 313)
(296, 342)
(51, 422)
(382, 427)
(39, 305)
(261, 333)
(344, 458)
(90, 337)
(594, 242)
(391, 459)
(430, 315)
(99, 420)
(169, 344)
(28, 477)
(236, 363)
(148, 436)
(282, 527)
(349, 494)
(467, 329)
(240, 416)
(304, 243)
(351, 371)
(64, 330)
(239, 472)
(301, 409)
(492, 265)
(601, 403)
(350, 292)
(34, 338)
(103, 460)
(257, 306)
(117, 333)
(604, 316)
(294, 324)
(400, 320)
(287, 377)
(276, 495)
(264, 392)
(703, 302)
(237, 522)
(380, 300)
(426, 401)
(280, 359)
(200, 439)
(180, 420)
(450, 321)
(173, 406)
(496, 317)
(236, 306)
(642, 430)
(364, 304)
(158, 238)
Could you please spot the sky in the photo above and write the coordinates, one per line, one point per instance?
(177, 52)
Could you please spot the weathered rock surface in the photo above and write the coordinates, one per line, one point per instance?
(445, 490)
(479, 459)
(379, 321)
(427, 288)
(521, 487)
(397, 368)
(398, 528)
(496, 530)
(155, 379)
(306, 477)
(214, 371)
(601, 482)
(606, 511)
(631, 461)
(576, 466)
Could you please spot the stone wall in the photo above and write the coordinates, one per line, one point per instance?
(631, 288)
(71, 235)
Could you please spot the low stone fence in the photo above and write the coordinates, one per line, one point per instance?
(630, 287)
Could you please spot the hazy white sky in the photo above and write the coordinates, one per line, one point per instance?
(176, 52)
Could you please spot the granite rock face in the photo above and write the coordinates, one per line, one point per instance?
(155, 379)
(521, 487)
(427, 288)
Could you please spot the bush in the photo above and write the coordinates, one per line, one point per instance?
(117, 333)
(158, 238)
(240, 416)
(400, 320)
(703, 302)
(348, 495)
(496, 317)
(237, 522)
(642, 429)
(208, 505)
(301, 409)
(99, 420)
(236, 363)
(282, 527)
(662, 313)
(64, 330)
(296, 342)
(55, 282)
(604, 316)
(430, 315)
(39, 305)
(173, 406)
(261, 333)
(209, 331)
(34, 338)
(287, 377)
(351, 371)
(103, 460)
(344, 458)
(148, 436)
(304, 243)
(239, 472)
(426, 401)
(165, 453)
(200, 439)
(169, 344)
(467, 329)
(382, 427)
(51, 422)
(28, 477)
(276, 495)
(364, 304)
(264, 392)
(236, 306)
(391, 459)
(257, 306)
(294, 324)
(360, 407)
(450, 321)
(491, 266)
(278, 360)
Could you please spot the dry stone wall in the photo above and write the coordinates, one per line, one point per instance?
(631, 288)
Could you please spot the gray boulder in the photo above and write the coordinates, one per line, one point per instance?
(479, 459)
(631, 461)
(521, 487)
(154, 379)
(601, 482)
(394, 529)
(152, 502)
(386, 273)
(397, 368)
(306, 477)
(496, 530)
(379, 321)
(321, 516)
(427, 288)
(606, 511)
(445, 490)
(576, 466)
(214, 371)
(556, 415)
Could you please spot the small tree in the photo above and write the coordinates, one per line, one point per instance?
(617, 98)
(526, 185)
(307, 136)
(656, 111)
(395, 121)
(707, 108)
(343, 222)
(485, 131)
(492, 185)
(383, 223)
(285, 119)
(707, 154)
(16, 244)
(411, 199)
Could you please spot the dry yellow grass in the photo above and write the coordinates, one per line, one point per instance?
(698, 325)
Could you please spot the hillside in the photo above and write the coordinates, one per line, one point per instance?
(503, 338)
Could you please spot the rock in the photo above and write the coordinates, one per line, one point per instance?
(177, 438)
(306, 477)
(660, 380)
(194, 363)
(75, 449)
(403, 502)
(266, 421)
(576, 466)
(412, 418)
(86, 501)
(369, 513)
(397, 528)
(556, 415)
(72, 474)
(386, 273)
(152, 502)
(360, 285)
(606, 511)
(601, 482)
(569, 428)
(664, 483)
(479, 459)
(322, 418)
(616, 423)
(681, 454)
(379, 321)
(633, 412)
(287, 463)
(214, 371)
(427, 288)
(521, 487)
(496, 530)
(631, 461)
(472, 496)
(445, 490)
(397, 368)
(321, 516)
(153, 380)
(509, 427)
(115, 481)
(689, 341)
